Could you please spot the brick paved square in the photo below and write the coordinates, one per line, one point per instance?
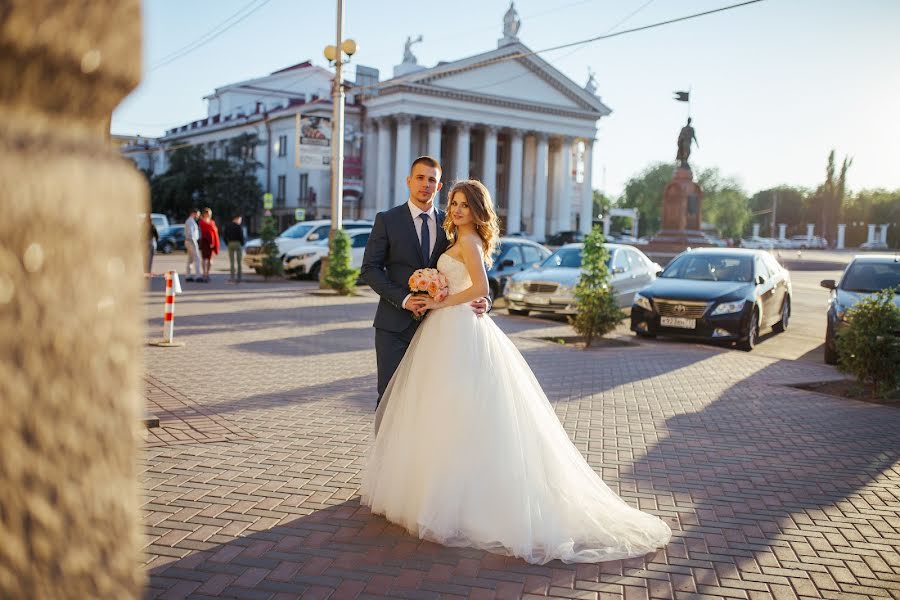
(251, 484)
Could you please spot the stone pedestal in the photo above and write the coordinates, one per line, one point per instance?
(682, 199)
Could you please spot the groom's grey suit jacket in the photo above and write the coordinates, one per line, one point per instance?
(392, 254)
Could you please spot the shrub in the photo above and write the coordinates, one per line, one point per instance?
(341, 276)
(271, 265)
(598, 312)
(869, 349)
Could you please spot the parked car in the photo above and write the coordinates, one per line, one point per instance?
(550, 287)
(298, 234)
(306, 260)
(875, 245)
(564, 237)
(514, 255)
(717, 294)
(758, 242)
(802, 242)
(171, 238)
(863, 277)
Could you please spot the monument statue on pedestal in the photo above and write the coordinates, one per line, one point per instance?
(685, 137)
(408, 57)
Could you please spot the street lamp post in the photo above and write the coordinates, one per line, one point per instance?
(336, 54)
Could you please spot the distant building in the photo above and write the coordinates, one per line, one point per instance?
(506, 117)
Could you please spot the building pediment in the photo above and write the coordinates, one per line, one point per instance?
(510, 72)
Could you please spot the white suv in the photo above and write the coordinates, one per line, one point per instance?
(803, 242)
(298, 234)
(306, 260)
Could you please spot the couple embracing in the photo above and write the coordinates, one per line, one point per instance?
(468, 450)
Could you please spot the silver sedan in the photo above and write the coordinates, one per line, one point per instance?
(550, 288)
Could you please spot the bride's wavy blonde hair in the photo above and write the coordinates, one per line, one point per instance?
(482, 207)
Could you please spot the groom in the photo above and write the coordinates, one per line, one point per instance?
(407, 237)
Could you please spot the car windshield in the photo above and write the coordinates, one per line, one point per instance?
(709, 267)
(296, 231)
(868, 278)
(564, 257)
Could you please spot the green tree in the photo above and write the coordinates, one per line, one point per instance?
(341, 276)
(824, 206)
(869, 350)
(598, 313)
(644, 192)
(725, 204)
(271, 265)
(601, 204)
(790, 209)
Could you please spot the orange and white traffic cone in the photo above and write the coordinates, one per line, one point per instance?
(173, 286)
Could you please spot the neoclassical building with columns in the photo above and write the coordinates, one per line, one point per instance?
(506, 117)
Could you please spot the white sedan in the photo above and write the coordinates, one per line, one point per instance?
(306, 260)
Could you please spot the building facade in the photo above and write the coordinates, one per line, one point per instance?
(506, 117)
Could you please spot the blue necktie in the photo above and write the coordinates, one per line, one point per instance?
(426, 240)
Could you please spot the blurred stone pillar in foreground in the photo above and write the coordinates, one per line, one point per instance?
(70, 317)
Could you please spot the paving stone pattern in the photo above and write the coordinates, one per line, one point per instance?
(251, 484)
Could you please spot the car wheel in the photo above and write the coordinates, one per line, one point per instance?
(782, 325)
(167, 248)
(831, 355)
(749, 343)
(521, 313)
(314, 270)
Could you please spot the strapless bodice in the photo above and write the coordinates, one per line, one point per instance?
(455, 271)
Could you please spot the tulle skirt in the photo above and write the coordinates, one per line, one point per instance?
(469, 452)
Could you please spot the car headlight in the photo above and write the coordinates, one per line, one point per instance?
(841, 313)
(303, 256)
(643, 302)
(516, 286)
(727, 308)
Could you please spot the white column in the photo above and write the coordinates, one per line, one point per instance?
(883, 237)
(463, 131)
(871, 235)
(540, 188)
(565, 188)
(370, 169)
(782, 231)
(383, 200)
(401, 168)
(587, 189)
(514, 199)
(810, 230)
(755, 230)
(434, 138)
(489, 161)
(841, 234)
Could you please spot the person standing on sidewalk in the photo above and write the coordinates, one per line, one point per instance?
(152, 241)
(209, 241)
(234, 239)
(192, 244)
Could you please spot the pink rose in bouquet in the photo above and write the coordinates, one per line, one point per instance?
(431, 282)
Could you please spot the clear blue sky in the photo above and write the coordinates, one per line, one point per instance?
(775, 85)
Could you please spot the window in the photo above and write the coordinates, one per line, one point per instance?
(304, 187)
(620, 261)
(282, 183)
(360, 241)
(510, 253)
(532, 254)
(282, 145)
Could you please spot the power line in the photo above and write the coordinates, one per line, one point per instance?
(238, 17)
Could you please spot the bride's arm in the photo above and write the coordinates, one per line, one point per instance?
(471, 251)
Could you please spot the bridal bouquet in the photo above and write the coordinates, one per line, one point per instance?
(431, 282)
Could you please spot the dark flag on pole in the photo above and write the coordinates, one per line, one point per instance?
(683, 96)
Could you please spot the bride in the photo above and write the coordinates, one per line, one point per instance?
(468, 450)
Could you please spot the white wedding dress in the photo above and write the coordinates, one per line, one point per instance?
(469, 452)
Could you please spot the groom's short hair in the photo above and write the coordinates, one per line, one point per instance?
(426, 160)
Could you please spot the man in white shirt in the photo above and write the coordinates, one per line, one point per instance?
(192, 245)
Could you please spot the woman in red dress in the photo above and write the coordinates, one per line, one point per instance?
(209, 241)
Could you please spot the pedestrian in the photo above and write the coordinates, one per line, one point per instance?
(209, 241)
(192, 244)
(234, 239)
(152, 241)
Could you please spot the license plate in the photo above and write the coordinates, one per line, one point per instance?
(680, 322)
(538, 300)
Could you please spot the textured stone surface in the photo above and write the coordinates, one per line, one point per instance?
(772, 492)
(69, 303)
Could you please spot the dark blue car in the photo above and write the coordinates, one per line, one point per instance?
(171, 238)
(513, 255)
